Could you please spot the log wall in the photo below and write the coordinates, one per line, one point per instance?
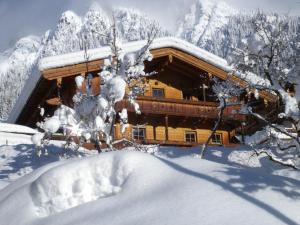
(175, 135)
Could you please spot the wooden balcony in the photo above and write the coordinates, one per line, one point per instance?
(185, 108)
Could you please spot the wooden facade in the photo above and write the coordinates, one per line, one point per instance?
(178, 107)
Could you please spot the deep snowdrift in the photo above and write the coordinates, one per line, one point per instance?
(136, 188)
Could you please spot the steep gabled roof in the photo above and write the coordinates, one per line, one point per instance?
(72, 63)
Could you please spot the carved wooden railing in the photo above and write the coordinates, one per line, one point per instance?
(177, 107)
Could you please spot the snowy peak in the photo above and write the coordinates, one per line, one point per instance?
(204, 18)
(28, 44)
(96, 24)
(132, 24)
(69, 18)
(24, 53)
(25, 46)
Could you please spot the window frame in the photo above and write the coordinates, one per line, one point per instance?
(189, 132)
(160, 89)
(138, 136)
(216, 142)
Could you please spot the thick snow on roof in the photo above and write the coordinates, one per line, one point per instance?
(104, 52)
(24, 96)
(164, 42)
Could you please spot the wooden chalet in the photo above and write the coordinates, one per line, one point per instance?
(178, 108)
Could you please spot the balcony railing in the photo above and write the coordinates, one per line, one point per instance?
(177, 107)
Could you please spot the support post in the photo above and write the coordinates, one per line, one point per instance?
(204, 91)
(154, 131)
(167, 127)
(243, 132)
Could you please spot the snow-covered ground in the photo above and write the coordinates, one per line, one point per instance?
(170, 186)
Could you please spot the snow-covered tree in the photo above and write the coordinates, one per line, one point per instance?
(93, 116)
(271, 51)
(225, 91)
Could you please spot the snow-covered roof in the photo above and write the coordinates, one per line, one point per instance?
(164, 42)
(24, 96)
(104, 52)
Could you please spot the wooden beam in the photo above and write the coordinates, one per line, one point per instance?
(167, 127)
(71, 70)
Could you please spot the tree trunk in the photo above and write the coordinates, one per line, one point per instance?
(220, 117)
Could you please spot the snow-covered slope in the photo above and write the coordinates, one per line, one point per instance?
(136, 188)
(168, 186)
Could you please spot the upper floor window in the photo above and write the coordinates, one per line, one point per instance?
(158, 92)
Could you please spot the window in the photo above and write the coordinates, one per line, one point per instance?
(158, 92)
(190, 136)
(139, 133)
(216, 139)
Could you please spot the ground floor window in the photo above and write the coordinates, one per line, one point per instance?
(190, 136)
(138, 133)
(216, 139)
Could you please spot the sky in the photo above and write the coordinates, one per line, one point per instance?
(19, 18)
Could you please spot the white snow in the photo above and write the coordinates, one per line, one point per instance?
(104, 52)
(291, 105)
(52, 124)
(14, 128)
(203, 20)
(253, 79)
(24, 96)
(37, 139)
(169, 186)
(79, 80)
(116, 88)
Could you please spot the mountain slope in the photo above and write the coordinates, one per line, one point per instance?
(203, 21)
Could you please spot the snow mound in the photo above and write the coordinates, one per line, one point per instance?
(128, 187)
(79, 182)
(14, 128)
